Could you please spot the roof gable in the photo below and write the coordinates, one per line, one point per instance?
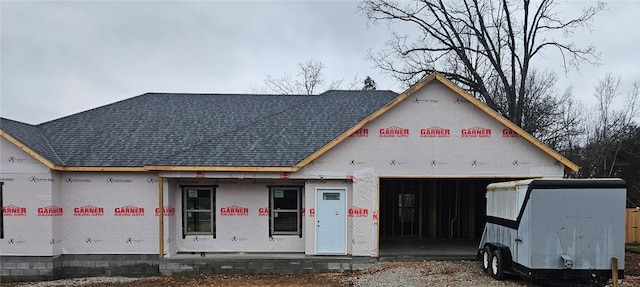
(569, 166)
(434, 133)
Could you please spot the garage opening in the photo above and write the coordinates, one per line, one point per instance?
(432, 216)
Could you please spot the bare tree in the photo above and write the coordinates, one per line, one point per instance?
(283, 85)
(562, 128)
(609, 127)
(311, 78)
(487, 47)
(355, 83)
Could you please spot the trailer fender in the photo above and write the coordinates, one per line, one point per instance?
(507, 259)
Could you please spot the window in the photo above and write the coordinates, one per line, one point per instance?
(199, 217)
(286, 216)
(331, 196)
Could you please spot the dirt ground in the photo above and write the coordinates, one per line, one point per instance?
(632, 263)
(632, 270)
(239, 280)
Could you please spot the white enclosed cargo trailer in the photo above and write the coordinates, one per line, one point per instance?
(554, 229)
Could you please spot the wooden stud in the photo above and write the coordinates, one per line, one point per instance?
(160, 216)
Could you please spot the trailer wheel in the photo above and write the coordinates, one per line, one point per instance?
(486, 259)
(496, 269)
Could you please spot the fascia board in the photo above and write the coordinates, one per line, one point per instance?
(222, 168)
(466, 176)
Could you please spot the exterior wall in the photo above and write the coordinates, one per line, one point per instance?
(242, 232)
(254, 195)
(47, 235)
(109, 213)
(29, 203)
(51, 213)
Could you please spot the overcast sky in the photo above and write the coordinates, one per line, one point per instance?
(60, 58)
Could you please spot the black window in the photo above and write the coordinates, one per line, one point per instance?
(199, 217)
(286, 211)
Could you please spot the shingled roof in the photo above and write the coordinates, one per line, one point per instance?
(31, 137)
(221, 130)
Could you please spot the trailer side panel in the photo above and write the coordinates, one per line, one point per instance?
(585, 224)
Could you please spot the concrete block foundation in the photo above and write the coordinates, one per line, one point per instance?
(45, 268)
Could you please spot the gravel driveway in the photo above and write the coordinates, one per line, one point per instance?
(429, 273)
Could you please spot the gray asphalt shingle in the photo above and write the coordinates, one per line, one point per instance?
(31, 136)
(200, 129)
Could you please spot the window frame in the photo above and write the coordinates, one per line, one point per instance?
(273, 210)
(186, 210)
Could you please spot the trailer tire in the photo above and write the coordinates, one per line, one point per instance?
(486, 259)
(497, 266)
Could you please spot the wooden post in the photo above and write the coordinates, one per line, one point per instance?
(614, 271)
(160, 215)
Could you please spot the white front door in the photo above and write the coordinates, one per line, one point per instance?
(331, 221)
